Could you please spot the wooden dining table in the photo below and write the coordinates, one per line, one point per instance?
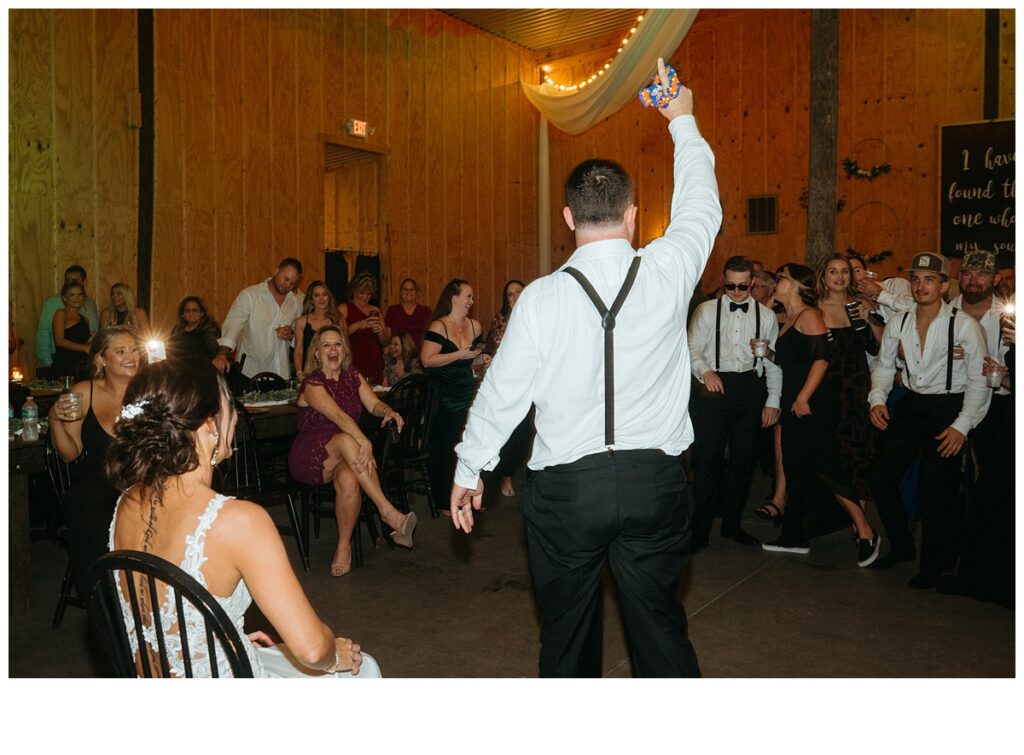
(281, 420)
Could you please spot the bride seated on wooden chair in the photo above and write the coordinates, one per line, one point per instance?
(176, 425)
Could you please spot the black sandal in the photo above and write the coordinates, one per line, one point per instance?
(766, 512)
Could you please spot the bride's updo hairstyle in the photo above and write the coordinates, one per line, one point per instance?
(154, 437)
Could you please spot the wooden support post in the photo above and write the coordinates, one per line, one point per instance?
(991, 97)
(824, 126)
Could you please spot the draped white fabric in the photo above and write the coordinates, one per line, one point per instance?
(660, 33)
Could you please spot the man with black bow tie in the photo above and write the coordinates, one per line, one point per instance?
(732, 401)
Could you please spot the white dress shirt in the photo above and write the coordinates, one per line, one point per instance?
(990, 325)
(894, 298)
(250, 327)
(735, 355)
(926, 373)
(552, 353)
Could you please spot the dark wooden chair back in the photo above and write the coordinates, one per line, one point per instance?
(415, 398)
(268, 381)
(240, 475)
(221, 635)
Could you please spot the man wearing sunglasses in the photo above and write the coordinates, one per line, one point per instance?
(738, 394)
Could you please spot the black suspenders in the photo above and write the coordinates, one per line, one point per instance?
(718, 329)
(608, 323)
(949, 350)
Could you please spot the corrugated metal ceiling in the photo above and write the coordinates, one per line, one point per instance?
(541, 30)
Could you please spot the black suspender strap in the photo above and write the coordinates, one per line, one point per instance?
(718, 335)
(949, 353)
(718, 330)
(906, 361)
(608, 323)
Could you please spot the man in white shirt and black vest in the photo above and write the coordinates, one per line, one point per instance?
(599, 347)
(731, 399)
(944, 351)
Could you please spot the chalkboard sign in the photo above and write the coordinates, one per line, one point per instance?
(977, 198)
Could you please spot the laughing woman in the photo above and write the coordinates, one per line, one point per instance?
(85, 434)
(330, 447)
(450, 346)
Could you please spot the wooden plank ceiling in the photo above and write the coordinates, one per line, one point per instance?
(544, 31)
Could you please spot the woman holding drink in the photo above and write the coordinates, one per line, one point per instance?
(366, 329)
(81, 426)
(451, 345)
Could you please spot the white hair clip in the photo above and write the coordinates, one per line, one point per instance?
(131, 411)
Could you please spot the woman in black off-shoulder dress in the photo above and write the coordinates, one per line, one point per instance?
(810, 408)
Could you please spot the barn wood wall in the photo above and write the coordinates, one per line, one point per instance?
(902, 74)
(244, 102)
(245, 99)
(73, 173)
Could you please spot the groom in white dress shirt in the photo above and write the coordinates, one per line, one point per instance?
(590, 502)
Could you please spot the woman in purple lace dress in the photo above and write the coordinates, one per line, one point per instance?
(330, 447)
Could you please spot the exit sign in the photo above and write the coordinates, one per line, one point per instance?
(356, 128)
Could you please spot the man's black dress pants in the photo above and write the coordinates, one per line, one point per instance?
(629, 509)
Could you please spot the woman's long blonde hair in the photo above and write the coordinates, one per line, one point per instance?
(312, 359)
(129, 302)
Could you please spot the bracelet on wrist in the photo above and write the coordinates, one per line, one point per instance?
(336, 665)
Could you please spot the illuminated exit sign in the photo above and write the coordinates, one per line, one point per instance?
(356, 128)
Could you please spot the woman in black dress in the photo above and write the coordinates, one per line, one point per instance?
(320, 310)
(195, 333)
(852, 341)
(808, 419)
(450, 346)
(71, 334)
(89, 504)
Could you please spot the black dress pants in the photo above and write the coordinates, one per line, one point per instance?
(987, 565)
(732, 417)
(629, 509)
(914, 422)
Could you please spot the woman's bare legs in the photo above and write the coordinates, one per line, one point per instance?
(779, 497)
(345, 446)
(863, 530)
(346, 512)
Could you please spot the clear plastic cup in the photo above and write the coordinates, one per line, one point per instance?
(759, 346)
(995, 375)
(71, 407)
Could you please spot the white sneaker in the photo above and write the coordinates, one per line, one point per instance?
(867, 550)
(782, 547)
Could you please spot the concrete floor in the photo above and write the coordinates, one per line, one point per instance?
(752, 613)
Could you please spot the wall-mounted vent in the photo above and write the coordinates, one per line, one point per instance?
(762, 214)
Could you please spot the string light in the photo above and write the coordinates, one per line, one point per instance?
(593, 77)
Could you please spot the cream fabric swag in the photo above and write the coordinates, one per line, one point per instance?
(660, 34)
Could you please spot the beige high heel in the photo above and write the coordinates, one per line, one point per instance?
(403, 535)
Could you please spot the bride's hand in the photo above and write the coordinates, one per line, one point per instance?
(349, 655)
(260, 639)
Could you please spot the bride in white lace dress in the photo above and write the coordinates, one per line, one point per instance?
(176, 425)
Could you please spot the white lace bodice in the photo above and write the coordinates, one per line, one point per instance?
(234, 605)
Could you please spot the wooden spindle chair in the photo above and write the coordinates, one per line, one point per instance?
(221, 635)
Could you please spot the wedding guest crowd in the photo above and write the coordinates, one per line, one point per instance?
(839, 382)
